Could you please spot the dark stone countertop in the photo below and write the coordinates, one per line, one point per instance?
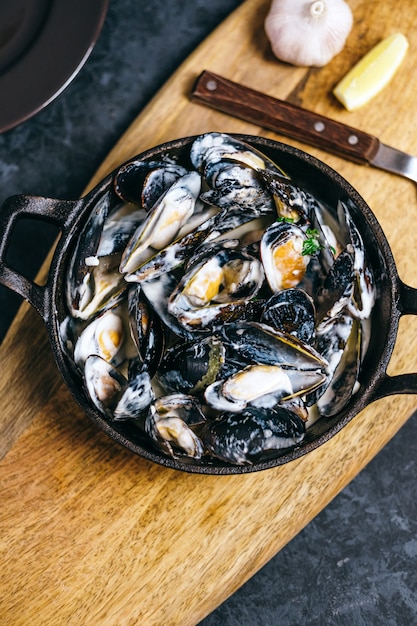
(355, 563)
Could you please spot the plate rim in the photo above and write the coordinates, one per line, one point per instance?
(36, 78)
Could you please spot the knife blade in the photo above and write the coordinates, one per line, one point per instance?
(298, 123)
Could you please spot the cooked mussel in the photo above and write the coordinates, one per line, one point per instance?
(243, 439)
(163, 222)
(259, 343)
(364, 291)
(146, 329)
(291, 202)
(137, 396)
(283, 257)
(104, 337)
(93, 282)
(173, 422)
(188, 367)
(293, 312)
(105, 384)
(344, 380)
(216, 288)
(276, 367)
(215, 147)
(142, 182)
(208, 221)
(261, 385)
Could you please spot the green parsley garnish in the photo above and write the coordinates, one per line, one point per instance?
(312, 244)
(288, 220)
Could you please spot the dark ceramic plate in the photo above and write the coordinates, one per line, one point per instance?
(43, 44)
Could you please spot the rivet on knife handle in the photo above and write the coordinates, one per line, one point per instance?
(285, 118)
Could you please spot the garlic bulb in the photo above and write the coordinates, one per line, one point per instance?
(305, 32)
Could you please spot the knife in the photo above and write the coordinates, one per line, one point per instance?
(309, 127)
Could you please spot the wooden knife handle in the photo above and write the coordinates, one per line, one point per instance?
(284, 118)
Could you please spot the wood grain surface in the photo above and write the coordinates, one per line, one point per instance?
(91, 534)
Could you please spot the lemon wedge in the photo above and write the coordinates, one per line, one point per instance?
(372, 72)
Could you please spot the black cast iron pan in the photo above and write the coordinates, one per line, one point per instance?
(394, 298)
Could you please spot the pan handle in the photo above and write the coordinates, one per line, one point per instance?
(57, 212)
(401, 383)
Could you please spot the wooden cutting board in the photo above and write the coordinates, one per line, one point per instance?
(91, 534)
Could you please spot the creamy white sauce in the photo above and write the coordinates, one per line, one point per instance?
(91, 261)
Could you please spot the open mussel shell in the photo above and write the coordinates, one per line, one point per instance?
(211, 148)
(173, 423)
(163, 222)
(188, 367)
(217, 288)
(330, 188)
(146, 329)
(143, 182)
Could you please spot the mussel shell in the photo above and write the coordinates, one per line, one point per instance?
(94, 284)
(291, 202)
(143, 182)
(364, 289)
(209, 249)
(226, 173)
(177, 252)
(260, 343)
(105, 384)
(343, 383)
(79, 287)
(262, 386)
(216, 289)
(213, 147)
(104, 289)
(337, 289)
(136, 398)
(250, 202)
(146, 329)
(291, 311)
(246, 275)
(243, 439)
(189, 367)
(331, 339)
(104, 336)
(163, 222)
(118, 228)
(157, 293)
(282, 255)
(236, 185)
(173, 422)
